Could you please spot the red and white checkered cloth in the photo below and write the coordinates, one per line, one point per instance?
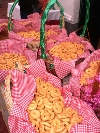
(22, 86)
(61, 33)
(15, 36)
(23, 91)
(90, 123)
(34, 16)
(14, 46)
(63, 68)
(74, 80)
(32, 22)
(38, 69)
(4, 22)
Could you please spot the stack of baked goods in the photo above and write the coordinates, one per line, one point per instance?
(47, 111)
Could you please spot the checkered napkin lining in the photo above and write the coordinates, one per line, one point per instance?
(38, 69)
(63, 68)
(90, 123)
(74, 80)
(14, 46)
(3, 26)
(34, 16)
(61, 32)
(24, 87)
(32, 22)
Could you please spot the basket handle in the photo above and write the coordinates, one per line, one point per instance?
(86, 17)
(10, 24)
(43, 21)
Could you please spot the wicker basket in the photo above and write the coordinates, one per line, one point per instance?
(50, 4)
(5, 102)
(48, 59)
(4, 34)
(3, 29)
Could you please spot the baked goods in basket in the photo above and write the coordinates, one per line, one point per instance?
(67, 50)
(3, 24)
(90, 72)
(10, 61)
(47, 111)
(35, 34)
(25, 22)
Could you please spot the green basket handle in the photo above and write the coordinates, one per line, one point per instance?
(43, 21)
(44, 18)
(86, 17)
(10, 24)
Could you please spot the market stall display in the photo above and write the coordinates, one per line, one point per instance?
(31, 89)
(5, 93)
